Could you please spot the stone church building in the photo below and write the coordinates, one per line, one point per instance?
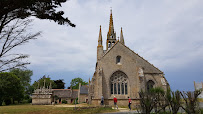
(121, 72)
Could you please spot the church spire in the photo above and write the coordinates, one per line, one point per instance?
(100, 37)
(121, 37)
(111, 27)
(111, 35)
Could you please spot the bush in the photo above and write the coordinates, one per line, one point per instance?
(15, 102)
(24, 101)
(3, 103)
(30, 100)
(64, 102)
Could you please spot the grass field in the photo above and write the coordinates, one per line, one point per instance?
(49, 109)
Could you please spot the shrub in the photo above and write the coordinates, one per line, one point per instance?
(15, 102)
(24, 101)
(30, 100)
(64, 101)
(3, 103)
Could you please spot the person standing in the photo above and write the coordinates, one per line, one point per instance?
(130, 102)
(115, 102)
(102, 100)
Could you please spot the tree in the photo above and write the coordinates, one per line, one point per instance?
(59, 84)
(44, 81)
(152, 99)
(14, 20)
(25, 79)
(10, 88)
(191, 101)
(21, 9)
(174, 100)
(75, 83)
(23, 75)
(12, 36)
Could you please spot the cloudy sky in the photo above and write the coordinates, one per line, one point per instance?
(167, 33)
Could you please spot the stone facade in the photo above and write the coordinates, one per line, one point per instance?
(65, 94)
(83, 94)
(45, 96)
(42, 96)
(121, 72)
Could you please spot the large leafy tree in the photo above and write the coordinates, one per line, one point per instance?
(23, 75)
(59, 84)
(10, 88)
(25, 78)
(44, 81)
(75, 83)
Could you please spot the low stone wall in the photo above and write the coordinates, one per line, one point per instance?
(41, 101)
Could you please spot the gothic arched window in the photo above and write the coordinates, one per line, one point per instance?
(150, 84)
(119, 83)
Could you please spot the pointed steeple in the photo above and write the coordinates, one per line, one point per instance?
(100, 37)
(111, 35)
(121, 37)
(111, 27)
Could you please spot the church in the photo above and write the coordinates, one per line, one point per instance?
(121, 72)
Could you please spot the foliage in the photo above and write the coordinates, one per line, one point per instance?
(23, 75)
(10, 88)
(25, 79)
(157, 99)
(75, 101)
(147, 101)
(42, 9)
(191, 101)
(64, 101)
(44, 81)
(59, 84)
(75, 83)
(174, 100)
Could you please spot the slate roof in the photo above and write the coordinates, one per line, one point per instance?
(62, 93)
(84, 89)
(75, 93)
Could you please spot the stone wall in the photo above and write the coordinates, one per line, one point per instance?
(42, 101)
(83, 98)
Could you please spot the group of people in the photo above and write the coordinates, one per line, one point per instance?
(115, 102)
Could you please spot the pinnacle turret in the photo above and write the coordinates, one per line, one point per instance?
(121, 37)
(100, 37)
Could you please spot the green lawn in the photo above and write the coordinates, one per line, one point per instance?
(43, 109)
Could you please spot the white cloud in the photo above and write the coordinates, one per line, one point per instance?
(167, 33)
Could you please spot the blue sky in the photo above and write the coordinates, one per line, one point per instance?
(167, 33)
